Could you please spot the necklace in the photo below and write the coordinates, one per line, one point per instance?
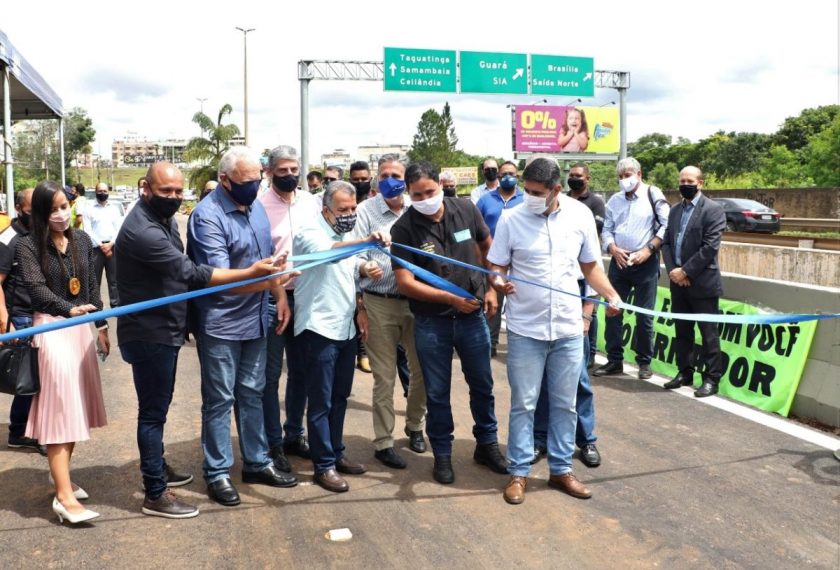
(74, 285)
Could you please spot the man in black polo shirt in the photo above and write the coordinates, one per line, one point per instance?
(444, 321)
(14, 303)
(151, 264)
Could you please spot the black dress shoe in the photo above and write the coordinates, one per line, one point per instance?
(390, 458)
(489, 454)
(681, 379)
(347, 467)
(540, 451)
(609, 369)
(645, 372)
(707, 388)
(223, 492)
(589, 455)
(176, 478)
(297, 447)
(416, 443)
(332, 481)
(270, 476)
(280, 460)
(443, 472)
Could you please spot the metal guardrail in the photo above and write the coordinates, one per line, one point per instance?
(781, 241)
(815, 224)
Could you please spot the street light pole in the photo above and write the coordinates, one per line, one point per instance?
(245, 73)
(201, 101)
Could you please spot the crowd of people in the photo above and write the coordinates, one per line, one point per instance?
(401, 313)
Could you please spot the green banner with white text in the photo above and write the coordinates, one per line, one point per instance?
(762, 364)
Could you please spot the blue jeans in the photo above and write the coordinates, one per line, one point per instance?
(153, 366)
(642, 280)
(232, 372)
(19, 412)
(585, 430)
(329, 379)
(528, 361)
(435, 339)
(295, 381)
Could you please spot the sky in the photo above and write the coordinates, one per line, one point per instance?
(696, 67)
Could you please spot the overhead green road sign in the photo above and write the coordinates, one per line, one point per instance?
(489, 72)
(562, 75)
(419, 70)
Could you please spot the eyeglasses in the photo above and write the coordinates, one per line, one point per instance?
(327, 179)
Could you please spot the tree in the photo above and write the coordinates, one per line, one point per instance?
(209, 148)
(796, 132)
(436, 141)
(823, 155)
(782, 167)
(78, 134)
(665, 176)
(647, 142)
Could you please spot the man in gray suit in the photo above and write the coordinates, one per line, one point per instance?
(690, 251)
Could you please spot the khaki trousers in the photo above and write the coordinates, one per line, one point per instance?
(390, 323)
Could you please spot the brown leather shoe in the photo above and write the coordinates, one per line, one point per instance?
(347, 467)
(515, 490)
(569, 484)
(332, 481)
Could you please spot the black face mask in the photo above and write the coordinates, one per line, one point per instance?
(101, 197)
(25, 219)
(362, 190)
(286, 183)
(450, 191)
(164, 207)
(577, 184)
(688, 191)
(491, 173)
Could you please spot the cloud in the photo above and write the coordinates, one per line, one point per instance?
(126, 87)
(747, 72)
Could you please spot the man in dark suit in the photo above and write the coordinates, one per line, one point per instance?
(690, 251)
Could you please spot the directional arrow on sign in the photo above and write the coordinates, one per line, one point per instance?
(519, 73)
(587, 77)
(393, 69)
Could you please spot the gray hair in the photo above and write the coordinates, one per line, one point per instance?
(626, 164)
(448, 176)
(282, 152)
(390, 157)
(234, 156)
(334, 187)
(542, 170)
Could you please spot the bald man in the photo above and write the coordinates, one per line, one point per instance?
(151, 264)
(690, 250)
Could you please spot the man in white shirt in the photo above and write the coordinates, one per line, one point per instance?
(490, 169)
(550, 239)
(102, 223)
(288, 209)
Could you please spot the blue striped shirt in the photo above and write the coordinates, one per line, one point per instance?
(629, 220)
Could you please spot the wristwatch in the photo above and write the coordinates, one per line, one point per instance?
(651, 247)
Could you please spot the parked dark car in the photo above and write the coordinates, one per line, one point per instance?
(744, 215)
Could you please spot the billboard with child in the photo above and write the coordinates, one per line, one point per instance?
(553, 129)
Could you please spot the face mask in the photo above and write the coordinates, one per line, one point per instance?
(491, 173)
(576, 184)
(25, 219)
(429, 206)
(70, 196)
(688, 191)
(391, 187)
(60, 221)
(628, 184)
(508, 181)
(101, 197)
(344, 224)
(286, 183)
(362, 190)
(535, 204)
(244, 194)
(164, 207)
(450, 191)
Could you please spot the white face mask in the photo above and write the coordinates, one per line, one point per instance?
(429, 206)
(535, 204)
(628, 184)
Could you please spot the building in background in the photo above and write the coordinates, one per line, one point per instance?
(133, 150)
(371, 153)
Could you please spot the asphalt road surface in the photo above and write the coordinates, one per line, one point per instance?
(682, 485)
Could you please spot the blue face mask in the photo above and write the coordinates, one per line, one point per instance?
(245, 193)
(391, 187)
(508, 181)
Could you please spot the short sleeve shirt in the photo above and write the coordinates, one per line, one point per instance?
(456, 235)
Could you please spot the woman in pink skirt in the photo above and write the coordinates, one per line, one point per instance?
(56, 265)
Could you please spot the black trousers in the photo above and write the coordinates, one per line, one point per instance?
(109, 264)
(684, 342)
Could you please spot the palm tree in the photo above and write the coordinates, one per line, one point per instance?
(209, 148)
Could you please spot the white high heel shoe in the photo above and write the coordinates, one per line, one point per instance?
(72, 518)
(78, 492)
